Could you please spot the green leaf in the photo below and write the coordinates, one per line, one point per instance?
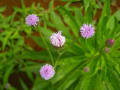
(41, 55)
(58, 23)
(51, 4)
(70, 20)
(111, 23)
(40, 84)
(30, 75)
(38, 40)
(24, 86)
(2, 9)
(114, 78)
(69, 80)
(7, 74)
(78, 16)
(64, 64)
(117, 15)
(32, 68)
(5, 40)
(102, 22)
(86, 4)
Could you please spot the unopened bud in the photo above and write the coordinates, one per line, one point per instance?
(86, 69)
(110, 42)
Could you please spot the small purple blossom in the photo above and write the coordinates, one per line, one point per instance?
(47, 72)
(57, 39)
(110, 42)
(32, 20)
(87, 31)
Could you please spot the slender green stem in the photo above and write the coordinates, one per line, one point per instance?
(49, 52)
(59, 55)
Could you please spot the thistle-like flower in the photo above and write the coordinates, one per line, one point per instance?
(87, 31)
(47, 72)
(32, 20)
(57, 39)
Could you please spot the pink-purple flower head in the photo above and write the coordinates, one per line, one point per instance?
(47, 71)
(32, 20)
(57, 40)
(87, 31)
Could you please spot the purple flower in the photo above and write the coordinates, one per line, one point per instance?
(32, 20)
(110, 42)
(47, 72)
(57, 39)
(87, 31)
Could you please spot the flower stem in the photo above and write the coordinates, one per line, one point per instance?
(49, 52)
(59, 55)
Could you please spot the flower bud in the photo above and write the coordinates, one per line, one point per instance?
(107, 50)
(110, 42)
(86, 69)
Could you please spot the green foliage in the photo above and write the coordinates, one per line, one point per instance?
(69, 61)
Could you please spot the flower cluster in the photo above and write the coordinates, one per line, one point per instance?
(58, 40)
